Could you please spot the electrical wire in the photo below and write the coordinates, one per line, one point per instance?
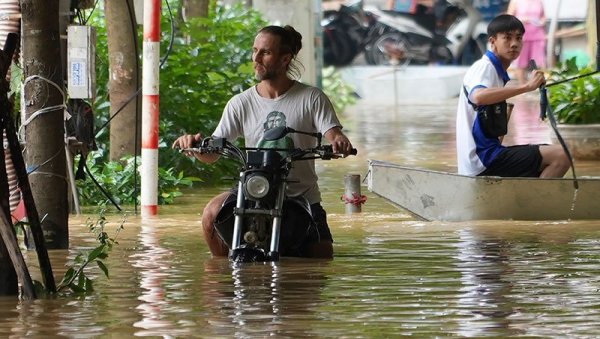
(135, 94)
(137, 110)
(85, 21)
(162, 62)
(101, 189)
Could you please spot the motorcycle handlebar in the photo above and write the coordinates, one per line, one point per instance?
(325, 151)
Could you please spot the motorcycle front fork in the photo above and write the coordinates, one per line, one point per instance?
(237, 224)
(275, 229)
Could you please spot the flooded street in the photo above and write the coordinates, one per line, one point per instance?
(392, 275)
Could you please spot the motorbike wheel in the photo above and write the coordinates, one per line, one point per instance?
(374, 33)
(379, 51)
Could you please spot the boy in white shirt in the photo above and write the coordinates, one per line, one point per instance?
(479, 153)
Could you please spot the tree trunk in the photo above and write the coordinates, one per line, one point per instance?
(44, 107)
(123, 83)
(194, 9)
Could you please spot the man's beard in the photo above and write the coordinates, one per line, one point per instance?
(263, 72)
(266, 75)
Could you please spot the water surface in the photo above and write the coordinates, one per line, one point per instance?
(392, 275)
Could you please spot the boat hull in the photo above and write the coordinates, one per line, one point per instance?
(434, 195)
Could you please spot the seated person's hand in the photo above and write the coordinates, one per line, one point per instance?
(536, 80)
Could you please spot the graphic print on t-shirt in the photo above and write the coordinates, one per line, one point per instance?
(276, 119)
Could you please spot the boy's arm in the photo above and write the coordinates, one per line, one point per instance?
(492, 95)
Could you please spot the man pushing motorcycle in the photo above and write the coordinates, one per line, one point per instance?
(250, 113)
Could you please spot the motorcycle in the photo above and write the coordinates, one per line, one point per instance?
(458, 37)
(345, 33)
(261, 223)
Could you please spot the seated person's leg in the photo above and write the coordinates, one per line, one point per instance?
(555, 162)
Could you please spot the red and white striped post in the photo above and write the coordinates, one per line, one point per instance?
(150, 108)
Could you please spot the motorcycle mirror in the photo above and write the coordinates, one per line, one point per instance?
(277, 133)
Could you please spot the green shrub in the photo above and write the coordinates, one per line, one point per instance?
(118, 179)
(339, 92)
(576, 101)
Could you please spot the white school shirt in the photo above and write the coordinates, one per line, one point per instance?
(474, 150)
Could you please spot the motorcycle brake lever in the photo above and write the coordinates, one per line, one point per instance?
(191, 149)
(327, 153)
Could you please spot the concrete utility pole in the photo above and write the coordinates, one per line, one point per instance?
(150, 108)
(44, 118)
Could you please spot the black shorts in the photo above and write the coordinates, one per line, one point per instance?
(516, 161)
(320, 217)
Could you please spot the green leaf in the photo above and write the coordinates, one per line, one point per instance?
(577, 100)
(102, 267)
(95, 253)
(69, 274)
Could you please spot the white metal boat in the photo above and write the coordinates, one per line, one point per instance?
(435, 195)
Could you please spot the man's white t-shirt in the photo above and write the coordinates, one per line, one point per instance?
(302, 107)
(474, 150)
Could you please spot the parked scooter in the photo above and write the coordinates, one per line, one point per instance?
(345, 33)
(262, 223)
(422, 39)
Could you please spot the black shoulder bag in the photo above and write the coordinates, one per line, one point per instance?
(493, 118)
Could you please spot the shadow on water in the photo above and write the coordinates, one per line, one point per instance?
(391, 276)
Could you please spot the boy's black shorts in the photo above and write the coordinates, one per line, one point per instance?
(516, 161)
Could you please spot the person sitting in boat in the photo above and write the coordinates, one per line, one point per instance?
(277, 99)
(478, 139)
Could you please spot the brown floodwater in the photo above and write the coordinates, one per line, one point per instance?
(391, 276)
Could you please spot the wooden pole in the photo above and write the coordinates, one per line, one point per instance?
(24, 186)
(10, 239)
(6, 227)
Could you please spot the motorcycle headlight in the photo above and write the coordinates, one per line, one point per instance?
(256, 187)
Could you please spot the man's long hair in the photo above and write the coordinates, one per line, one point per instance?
(290, 41)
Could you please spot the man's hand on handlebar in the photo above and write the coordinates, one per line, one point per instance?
(187, 141)
(339, 142)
